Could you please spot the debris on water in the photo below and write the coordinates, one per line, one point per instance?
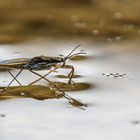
(2, 115)
(115, 75)
(135, 122)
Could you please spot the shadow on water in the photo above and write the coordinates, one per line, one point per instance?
(72, 87)
(33, 91)
(65, 76)
(79, 58)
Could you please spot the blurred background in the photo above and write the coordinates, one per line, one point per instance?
(22, 20)
(109, 31)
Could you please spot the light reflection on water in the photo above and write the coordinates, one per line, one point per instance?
(113, 102)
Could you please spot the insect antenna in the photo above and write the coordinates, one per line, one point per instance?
(72, 55)
(75, 54)
(72, 51)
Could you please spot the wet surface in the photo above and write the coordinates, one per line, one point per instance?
(103, 105)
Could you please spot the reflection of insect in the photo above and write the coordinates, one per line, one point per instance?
(39, 63)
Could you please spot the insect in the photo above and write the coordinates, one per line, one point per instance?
(39, 63)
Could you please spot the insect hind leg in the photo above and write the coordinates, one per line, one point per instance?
(14, 78)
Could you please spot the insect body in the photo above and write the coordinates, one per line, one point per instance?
(35, 63)
(43, 63)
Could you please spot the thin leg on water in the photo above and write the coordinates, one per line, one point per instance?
(42, 77)
(48, 81)
(15, 77)
(71, 74)
(70, 99)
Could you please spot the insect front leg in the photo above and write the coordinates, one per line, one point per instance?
(71, 74)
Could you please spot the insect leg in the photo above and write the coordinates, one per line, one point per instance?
(70, 75)
(66, 96)
(14, 78)
(42, 77)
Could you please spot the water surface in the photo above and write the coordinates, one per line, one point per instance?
(113, 102)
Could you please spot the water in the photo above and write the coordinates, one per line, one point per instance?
(113, 102)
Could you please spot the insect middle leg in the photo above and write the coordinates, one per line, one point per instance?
(70, 75)
(70, 99)
(43, 76)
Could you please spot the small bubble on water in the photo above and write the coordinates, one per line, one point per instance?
(128, 26)
(109, 39)
(82, 25)
(50, 17)
(102, 22)
(118, 38)
(95, 32)
(138, 32)
(117, 15)
(22, 94)
(74, 18)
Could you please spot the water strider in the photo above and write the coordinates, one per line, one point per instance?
(39, 63)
